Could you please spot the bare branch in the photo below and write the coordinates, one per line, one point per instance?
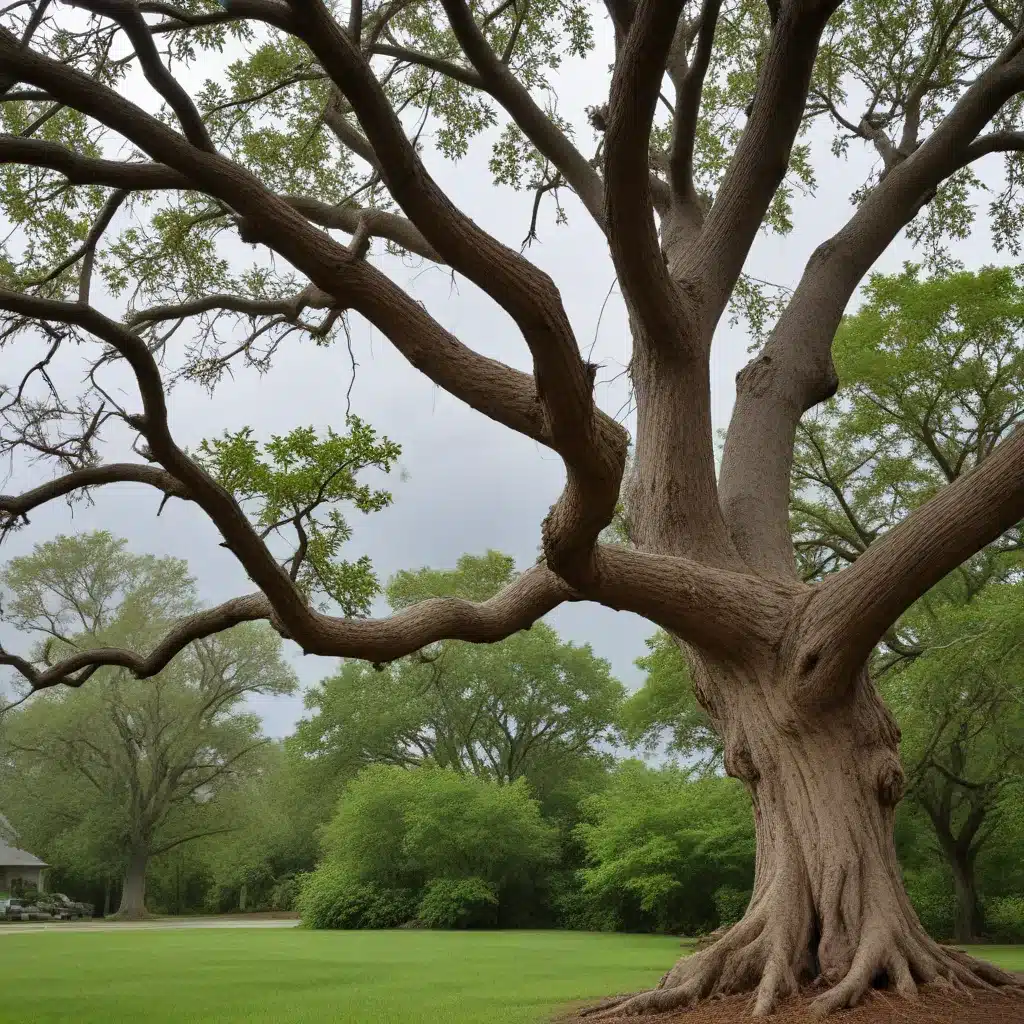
(494, 389)
(126, 13)
(377, 223)
(636, 252)
(687, 107)
(761, 159)
(592, 445)
(535, 593)
(502, 84)
(14, 507)
(81, 170)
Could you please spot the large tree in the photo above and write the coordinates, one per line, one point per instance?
(119, 772)
(961, 708)
(531, 706)
(321, 114)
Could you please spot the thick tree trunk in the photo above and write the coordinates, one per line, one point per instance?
(828, 907)
(133, 893)
(969, 925)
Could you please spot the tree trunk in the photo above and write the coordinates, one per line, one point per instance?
(133, 893)
(828, 906)
(106, 898)
(968, 926)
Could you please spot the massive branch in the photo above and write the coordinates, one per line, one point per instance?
(794, 371)
(591, 445)
(851, 611)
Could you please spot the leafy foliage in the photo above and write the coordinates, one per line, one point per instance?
(331, 898)
(297, 482)
(661, 843)
(930, 382)
(458, 903)
(401, 829)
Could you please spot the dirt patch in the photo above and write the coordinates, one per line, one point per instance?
(931, 1007)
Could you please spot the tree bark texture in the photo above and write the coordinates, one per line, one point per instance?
(828, 908)
(133, 893)
(779, 665)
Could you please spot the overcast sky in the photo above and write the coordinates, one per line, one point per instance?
(468, 484)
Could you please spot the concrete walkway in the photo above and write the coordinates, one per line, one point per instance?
(164, 924)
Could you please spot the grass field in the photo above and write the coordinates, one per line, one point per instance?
(404, 977)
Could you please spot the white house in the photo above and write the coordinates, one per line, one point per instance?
(17, 866)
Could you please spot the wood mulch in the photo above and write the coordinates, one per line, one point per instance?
(931, 1007)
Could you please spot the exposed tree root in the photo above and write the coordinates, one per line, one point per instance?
(754, 957)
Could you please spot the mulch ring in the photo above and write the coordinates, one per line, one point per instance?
(931, 1007)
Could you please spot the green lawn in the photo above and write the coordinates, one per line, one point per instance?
(396, 977)
(281, 975)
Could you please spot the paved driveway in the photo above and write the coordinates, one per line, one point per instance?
(20, 927)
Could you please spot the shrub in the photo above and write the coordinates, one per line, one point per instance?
(285, 892)
(331, 898)
(401, 827)
(458, 903)
(1004, 919)
(731, 903)
(659, 844)
(931, 893)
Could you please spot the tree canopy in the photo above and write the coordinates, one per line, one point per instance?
(529, 707)
(121, 771)
(299, 128)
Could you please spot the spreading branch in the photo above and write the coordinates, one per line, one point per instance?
(794, 372)
(852, 611)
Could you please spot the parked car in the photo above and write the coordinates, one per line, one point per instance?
(57, 905)
(18, 909)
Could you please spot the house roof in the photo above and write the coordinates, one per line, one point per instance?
(10, 855)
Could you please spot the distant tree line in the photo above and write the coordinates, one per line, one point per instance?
(518, 784)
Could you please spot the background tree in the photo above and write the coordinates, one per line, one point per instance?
(529, 707)
(960, 705)
(315, 118)
(122, 769)
(273, 841)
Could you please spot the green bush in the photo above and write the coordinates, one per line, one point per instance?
(731, 903)
(1004, 919)
(931, 892)
(401, 827)
(659, 844)
(331, 898)
(285, 892)
(458, 903)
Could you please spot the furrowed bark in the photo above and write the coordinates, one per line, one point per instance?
(671, 496)
(828, 904)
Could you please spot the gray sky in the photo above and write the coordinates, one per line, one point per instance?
(469, 484)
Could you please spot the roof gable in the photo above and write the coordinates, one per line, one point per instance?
(10, 855)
